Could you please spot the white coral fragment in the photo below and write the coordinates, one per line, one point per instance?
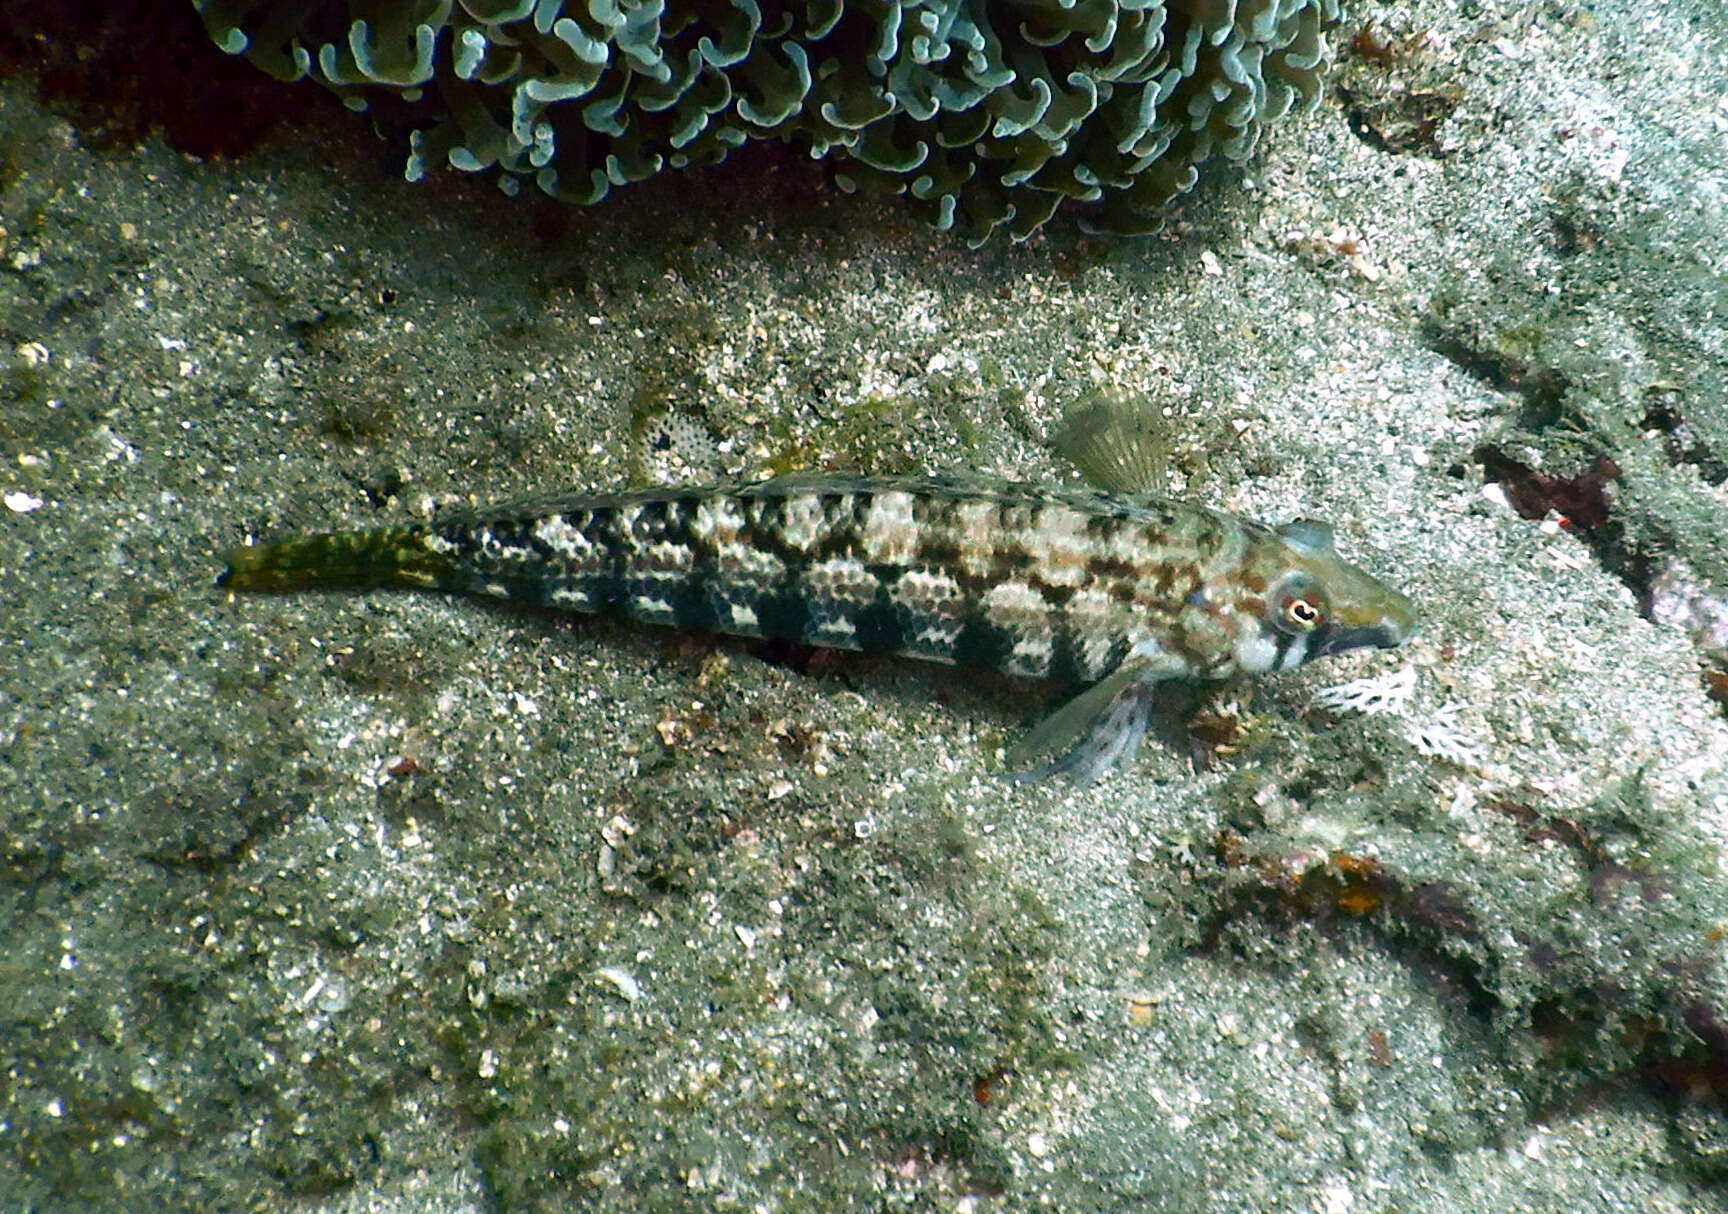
(1440, 737)
(1435, 735)
(1386, 693)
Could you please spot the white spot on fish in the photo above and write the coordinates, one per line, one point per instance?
(1058, 547)
(1015, 606)
(927, 593)
(890, 535)
(1031, 655)
(977, 535)
(652, 610)
(717, 520)
(841, 577)
(666, 556)
(557, 534)
(837, 631)
(801, 522)
(1256, 652)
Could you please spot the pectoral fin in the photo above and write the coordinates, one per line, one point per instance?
(1095, 732)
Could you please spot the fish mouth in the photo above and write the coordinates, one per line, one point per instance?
(1380, 636)
(1393, 624)
(1393, 629)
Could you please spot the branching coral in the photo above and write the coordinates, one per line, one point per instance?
(988, 113)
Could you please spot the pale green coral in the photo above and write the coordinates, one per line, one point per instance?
(987, 112)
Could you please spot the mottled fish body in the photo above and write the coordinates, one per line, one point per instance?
(1075, 587)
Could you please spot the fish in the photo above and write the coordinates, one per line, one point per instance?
(1071, 586)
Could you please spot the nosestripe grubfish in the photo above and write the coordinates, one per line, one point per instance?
(1074, 587)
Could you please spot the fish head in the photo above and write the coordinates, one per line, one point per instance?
(1315, 603)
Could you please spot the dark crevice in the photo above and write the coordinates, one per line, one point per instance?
(1541, 388)
(1572, 234)
(1583, 505)
(118, 72)
(1428, 925)
(1402, 123)
(1681, 440)
(1581, 501)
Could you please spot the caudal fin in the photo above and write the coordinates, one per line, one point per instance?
(343, 560)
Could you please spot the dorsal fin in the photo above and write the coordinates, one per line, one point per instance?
(1117, 441)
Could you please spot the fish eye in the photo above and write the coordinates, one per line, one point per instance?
(1302, 614)
(1299, 606)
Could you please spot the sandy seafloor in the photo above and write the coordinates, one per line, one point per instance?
(404, 903)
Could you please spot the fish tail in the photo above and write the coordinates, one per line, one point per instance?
(386, 557)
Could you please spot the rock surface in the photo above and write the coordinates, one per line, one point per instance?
(402, 902)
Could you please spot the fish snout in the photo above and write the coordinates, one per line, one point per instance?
(1387, 624)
